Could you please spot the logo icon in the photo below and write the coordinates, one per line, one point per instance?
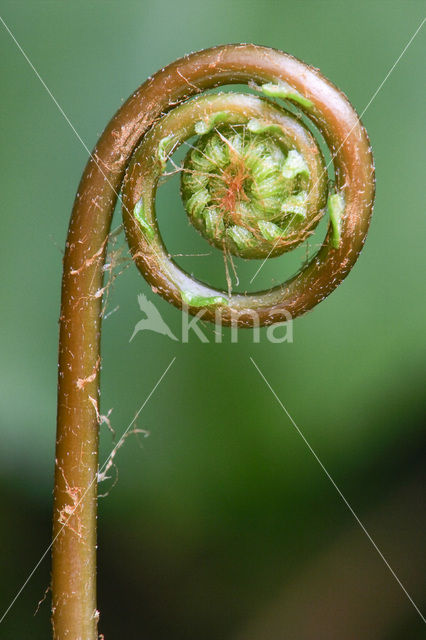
(153, 320)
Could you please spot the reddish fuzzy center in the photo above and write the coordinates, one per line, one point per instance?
(233, 178)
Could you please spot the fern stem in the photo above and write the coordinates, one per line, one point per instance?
(74, 608)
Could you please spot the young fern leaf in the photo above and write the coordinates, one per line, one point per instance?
(255, 185)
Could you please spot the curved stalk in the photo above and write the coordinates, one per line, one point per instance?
(74, 611)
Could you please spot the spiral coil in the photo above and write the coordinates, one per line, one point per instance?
(275, 75)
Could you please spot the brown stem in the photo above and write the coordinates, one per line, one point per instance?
(74, 613)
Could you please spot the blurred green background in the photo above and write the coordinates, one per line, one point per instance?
(222, 524)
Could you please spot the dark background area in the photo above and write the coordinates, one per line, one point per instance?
(222, 524)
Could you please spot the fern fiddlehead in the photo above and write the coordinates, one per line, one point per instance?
(255, 185)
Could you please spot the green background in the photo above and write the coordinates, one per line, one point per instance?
(222, 523)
